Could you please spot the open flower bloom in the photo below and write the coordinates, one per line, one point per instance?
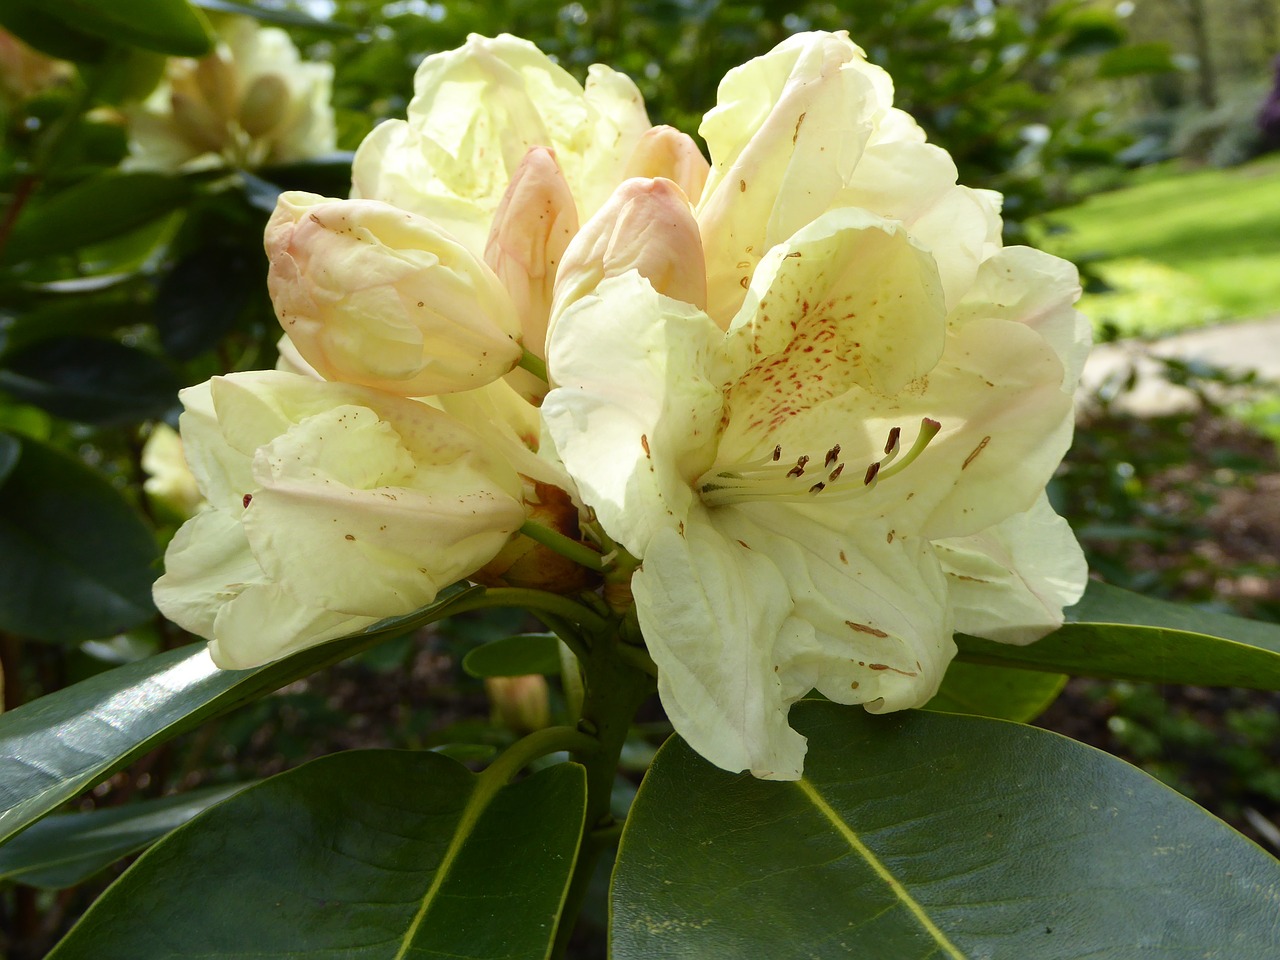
(476, 112)
(375, 295)
(842, 459)
(508, 153)
(252, 101)
(331, 506)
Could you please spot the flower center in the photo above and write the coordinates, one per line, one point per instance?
(775, 479)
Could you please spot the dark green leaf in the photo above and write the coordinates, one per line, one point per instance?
(70, 316)
(34, 25)
(54, 748)
(371, 854)
(929, 835)
(76, 557)
(201, 297)
(165, 26)
(1121, 635)
(93, 211)
(64, 850)
(999, 692)
(10, 452)
(89, 379)
(515, 656)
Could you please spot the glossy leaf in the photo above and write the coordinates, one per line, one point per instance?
(56, 747)
(67, 849)
(515, 656)
(93, 211)
(999, 692)
(77, 558)
(48, 34)
(369, 854)
(919, 835)
(1117, 634)
(90, 379)
(200, 298)
(165, 26)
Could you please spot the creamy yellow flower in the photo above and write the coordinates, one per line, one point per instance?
(252, 101)
(842, 458)
(331, 507)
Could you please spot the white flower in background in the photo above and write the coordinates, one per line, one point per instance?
(331, 507)
(253, 101)
(843, 457)
(375, 295)
(169, 479)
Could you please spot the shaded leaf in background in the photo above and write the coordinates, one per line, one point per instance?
(92, 211)
(369, 854)
(91, 380)
(165, 26)
(200, 298)
(515, 656)
(31, 23)
(1000, 692)
(54, 748)
(282, 16)
(1116, 634)
(77, 558)
(64, 850)
(920, 835)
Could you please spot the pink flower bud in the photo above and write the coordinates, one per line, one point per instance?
(666, 152)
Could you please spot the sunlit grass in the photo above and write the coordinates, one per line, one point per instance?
(1181, 249)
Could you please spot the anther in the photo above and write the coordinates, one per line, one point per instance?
(818, 487)
(871, 474)
(777, 453)
(892, 442)
(832, 455)
(835, 474)
(798, 469)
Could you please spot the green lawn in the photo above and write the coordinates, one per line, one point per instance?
(1181, 248)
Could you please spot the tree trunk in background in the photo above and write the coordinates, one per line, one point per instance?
(1197, 19)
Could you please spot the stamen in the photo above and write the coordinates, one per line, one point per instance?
(760, 480)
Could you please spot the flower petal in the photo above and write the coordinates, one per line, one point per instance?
(634, 413)
(787, 132)
(875, 603)
(1039, 290)
(1010, 582)
(711, 613)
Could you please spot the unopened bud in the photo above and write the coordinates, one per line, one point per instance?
(646, 226)
(264, 106)
(666, 152)
(520, 704)
(375, 295)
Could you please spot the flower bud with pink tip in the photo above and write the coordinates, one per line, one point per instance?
(374, 295)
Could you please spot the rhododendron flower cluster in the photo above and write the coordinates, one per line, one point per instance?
(800, 391)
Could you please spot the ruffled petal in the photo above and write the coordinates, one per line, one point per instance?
(879, 630)
(712, 612)
(633, 415)
(1011, 581)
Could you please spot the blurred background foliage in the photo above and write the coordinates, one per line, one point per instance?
(121, 282)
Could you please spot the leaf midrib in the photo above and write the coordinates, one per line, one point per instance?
(861, 849)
